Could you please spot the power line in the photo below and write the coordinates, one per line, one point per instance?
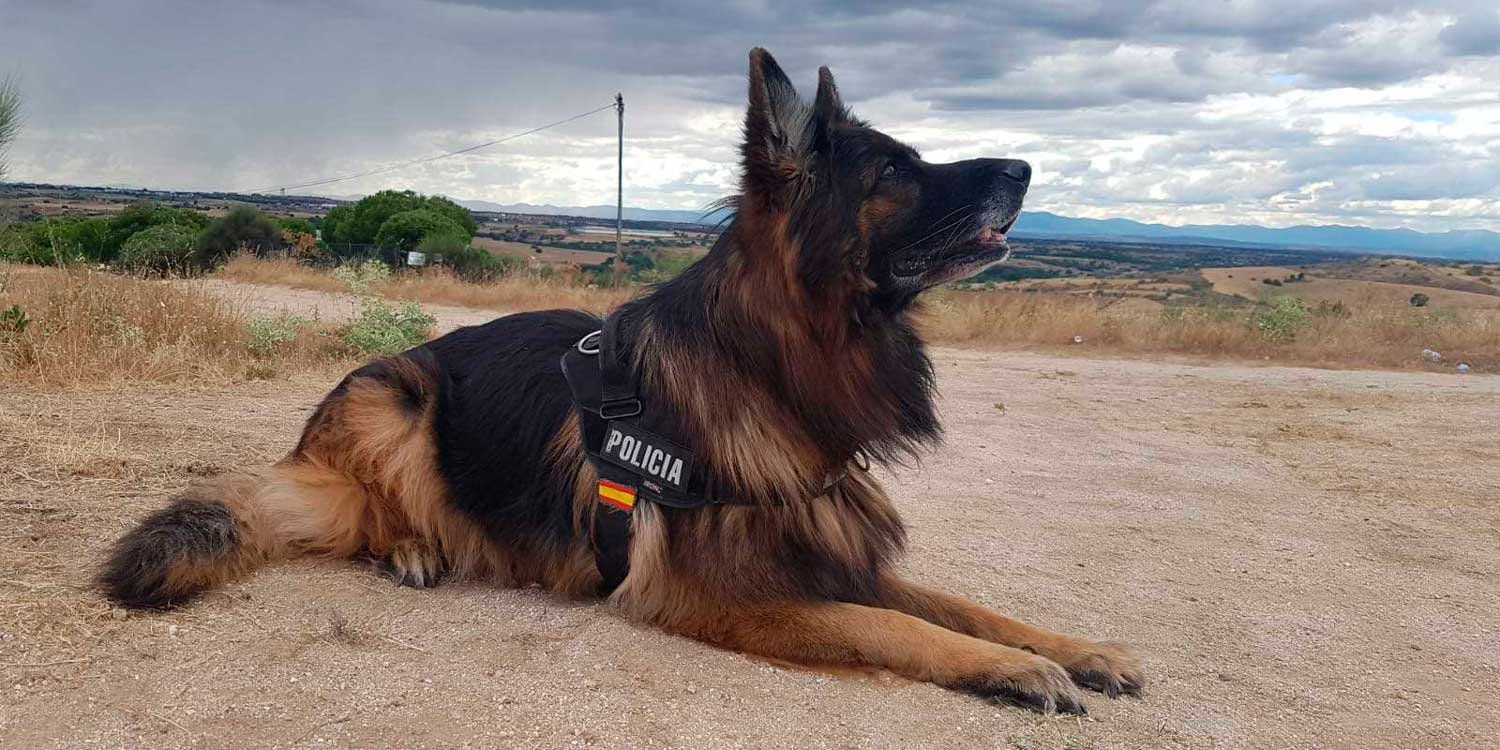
(428, 159)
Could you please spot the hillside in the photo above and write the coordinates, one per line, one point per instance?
(1466, 245)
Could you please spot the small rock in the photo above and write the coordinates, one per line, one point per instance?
(692, 689)
(172, 630)
(1463, 368)
(590, 684)
(1078, 339)
(119, 613)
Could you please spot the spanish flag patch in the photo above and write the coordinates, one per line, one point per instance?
(619, 495)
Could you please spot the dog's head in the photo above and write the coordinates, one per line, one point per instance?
(858, 210)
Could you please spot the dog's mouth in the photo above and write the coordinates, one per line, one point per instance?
(989, 244)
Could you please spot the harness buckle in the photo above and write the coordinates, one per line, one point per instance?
(619, 409)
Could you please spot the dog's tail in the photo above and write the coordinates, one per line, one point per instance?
(224, 528)
(363, 478)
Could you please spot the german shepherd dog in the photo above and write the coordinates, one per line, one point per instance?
(787, 355)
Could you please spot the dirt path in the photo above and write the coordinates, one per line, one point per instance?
(262, 300)
(1306, 559)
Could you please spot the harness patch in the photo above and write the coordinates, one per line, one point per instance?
(659, 462)
(618, 495)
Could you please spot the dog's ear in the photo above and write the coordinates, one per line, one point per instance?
(778, 130)
(828, 110)
(828, 107)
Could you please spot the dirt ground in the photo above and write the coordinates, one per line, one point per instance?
(1305, 559)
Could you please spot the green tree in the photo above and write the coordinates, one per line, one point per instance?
(460, 215)
(406, 230)
(372, 211)
(164, 248)
(242, 228)
(336, 223)
(10, 118)
(358, 224)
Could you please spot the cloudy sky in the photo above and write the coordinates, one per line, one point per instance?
(1186, 111)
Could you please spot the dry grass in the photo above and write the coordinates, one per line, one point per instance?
(88, 327)
(517, 293)
(1368, 333)
(1372, 331)
(282, 272)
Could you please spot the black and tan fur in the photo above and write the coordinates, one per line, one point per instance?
(786, 350)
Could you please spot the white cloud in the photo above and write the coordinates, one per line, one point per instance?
(1274, 112)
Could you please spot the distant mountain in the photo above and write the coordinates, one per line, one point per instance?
(1465, 245)
(1457, 245)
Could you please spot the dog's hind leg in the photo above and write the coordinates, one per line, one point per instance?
(1108, 667)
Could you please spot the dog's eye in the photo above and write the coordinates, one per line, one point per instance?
(889, 172)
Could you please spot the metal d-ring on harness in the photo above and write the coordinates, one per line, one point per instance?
(635, 462)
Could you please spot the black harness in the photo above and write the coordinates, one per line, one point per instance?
(624, 436)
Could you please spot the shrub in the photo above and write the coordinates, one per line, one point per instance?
(242, 228)
(269, 334)
(479, 266)
(362, 275)
(13, 320)
(56, 242)
(296, 225)
(138, 217)
(1282, 318)
(385, 329)
(164, 248)
(1336, 309)
(1419, 300)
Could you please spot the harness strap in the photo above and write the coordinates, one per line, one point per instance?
(618, 399)
(613, 417)
(611, 543)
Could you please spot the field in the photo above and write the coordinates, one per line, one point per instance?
(555, 256)
(1302, 556)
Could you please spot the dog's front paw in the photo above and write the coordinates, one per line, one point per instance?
(1028, 681)
(1109, 667)
(414, 563)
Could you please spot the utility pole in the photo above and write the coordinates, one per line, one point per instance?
(620, 187)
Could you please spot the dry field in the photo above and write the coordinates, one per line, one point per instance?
(1377, 334)
(1305, 558)
(1246, 281)
(549, 255)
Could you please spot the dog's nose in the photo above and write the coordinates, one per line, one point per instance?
(1017, 170)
